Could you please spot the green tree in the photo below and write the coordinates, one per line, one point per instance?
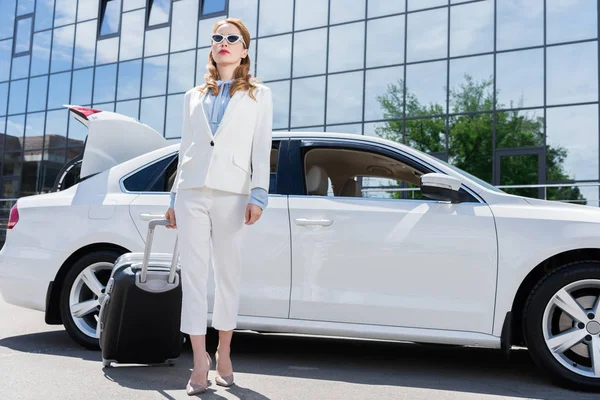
(469, 141)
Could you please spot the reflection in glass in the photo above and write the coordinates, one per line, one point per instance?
(310, 52)
(81, 89)
(104, 83)
(371, 128)
(425, 88)
(281, 103)
(3, 103)
(469, 144)
(523, 128)
(12, 166)
(62, 48)
(181, 71)
(571, 20)
(18, 97)
(472, 28)
(111, 14)
(183, 33)
(43, 15)
(159, 12)
(574, 130)
(133, 4)
(310, 14)
(34, 131)
(87, 9)
(420, 4)
(520, 79)
(64, 12)
(274, 57)
(347, 128)
(384, 7)
(155, 76)
(202, 61)
(275, 16)
(572, 73)
(15, 127)
(520, 23)
(476, 73)
(56, 127)
(40, 53)
(308, 101)
(157, 42)
(132, 35)
(129, 81)
(58, 94)
(25, 7)
(427, 35)
(520, 170)
(5, 59)
(247, 11)
(174, 116)
(85, 44)
(344, 97)
(346, 47)
(205, 28)
(77, 132)
(346, 10)
(105, 107)
(585, 195)
(107, 51)
(20, 67)
(130, 108)
(390, 32)
(213, 6)
(37, 93)
(23, 39)
(152, 113)
(7, 19)
(377, 85)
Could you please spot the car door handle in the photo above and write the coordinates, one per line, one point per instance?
(149, 217)
(316, 221)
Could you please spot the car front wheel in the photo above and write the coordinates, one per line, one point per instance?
(561, 325)
(79, 305)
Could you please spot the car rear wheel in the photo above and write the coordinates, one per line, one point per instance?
(561, 325)
(79, 306)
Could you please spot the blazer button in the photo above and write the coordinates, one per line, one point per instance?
(212, 143)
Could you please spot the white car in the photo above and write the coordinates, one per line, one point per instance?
(336, 252)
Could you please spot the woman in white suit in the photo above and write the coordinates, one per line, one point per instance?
(220, 188)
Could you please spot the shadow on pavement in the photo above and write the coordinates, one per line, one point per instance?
(459, 369)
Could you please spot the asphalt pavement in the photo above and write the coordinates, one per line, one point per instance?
(38, 361)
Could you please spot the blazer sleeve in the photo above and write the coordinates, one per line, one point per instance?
(262, 141)
(185, 139)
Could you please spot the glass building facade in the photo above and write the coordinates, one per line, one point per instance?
(505, 89)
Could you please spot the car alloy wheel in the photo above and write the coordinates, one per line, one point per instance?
(83, 299)
(561, 325)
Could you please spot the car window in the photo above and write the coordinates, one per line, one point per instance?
(341, 172)
(152, 178)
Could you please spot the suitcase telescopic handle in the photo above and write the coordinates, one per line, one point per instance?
(149, 238)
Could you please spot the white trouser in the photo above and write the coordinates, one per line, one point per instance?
(210, 223)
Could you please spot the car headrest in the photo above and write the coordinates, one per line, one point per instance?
(351, 189)
(316, 181)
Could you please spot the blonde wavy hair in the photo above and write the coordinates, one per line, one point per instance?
(242, 78)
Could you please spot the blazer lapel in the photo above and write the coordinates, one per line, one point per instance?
(197, 113)
(233, 102)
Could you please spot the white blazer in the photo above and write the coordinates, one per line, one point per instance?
(237, 158)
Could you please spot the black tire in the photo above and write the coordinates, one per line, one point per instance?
(76, 334)
(533, 315)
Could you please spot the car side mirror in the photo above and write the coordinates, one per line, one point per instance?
(442, 187)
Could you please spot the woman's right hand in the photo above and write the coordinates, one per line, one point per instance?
(170, 215)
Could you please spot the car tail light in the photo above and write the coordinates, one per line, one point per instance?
(14, 216)
(84, 112)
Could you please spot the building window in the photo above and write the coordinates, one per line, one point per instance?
(110, 18)
(158, 13)
(211, 8)
(23, 35)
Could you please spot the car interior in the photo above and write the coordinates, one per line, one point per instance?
(356, 173)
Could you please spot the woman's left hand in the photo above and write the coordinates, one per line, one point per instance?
(253, 213)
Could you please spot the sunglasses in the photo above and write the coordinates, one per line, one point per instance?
(231, 39)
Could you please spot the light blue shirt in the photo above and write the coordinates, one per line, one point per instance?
(214, 108)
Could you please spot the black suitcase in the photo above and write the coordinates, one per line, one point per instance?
(140, 311)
